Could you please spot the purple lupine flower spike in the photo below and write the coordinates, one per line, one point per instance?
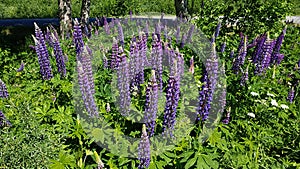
(211, 66)
(291, 95)
(3, 90)
(120, 33)
(266, 55)
(172, 99)
(114, 55)
(86, 92)
(158, 30)
(190, 34)
(223, 47)
(277, 46)
(256, 57)
(77, 38)
(151, 104)
(245, 77)
(239, 61)
(3, 120)
(59, 57)
(124, 85)
(87, 65)
(183, 41)
(21, 68)
(144, 154)
(203, 105)
(217, 30)
(43, 55)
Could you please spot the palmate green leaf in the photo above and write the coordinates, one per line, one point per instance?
(190, 162)
(167, 159)
(186, 156)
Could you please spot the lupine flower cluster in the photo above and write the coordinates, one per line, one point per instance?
(42, 53)
(124, 85)
(267, 52)
(217, 30)
(172, 99)
(156, 59)
(21, 68)
(144, 150)
(52, 39)
(245, 77)
(291, 95)
(151, 104)
(204, 97)
(242, 52)
(3, 90)
(77, 38)
(59, 57)
(86, 82)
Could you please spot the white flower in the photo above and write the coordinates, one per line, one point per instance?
(251, 115)
(274, 103)
(269, 94)
(254, 94)
(284, 106)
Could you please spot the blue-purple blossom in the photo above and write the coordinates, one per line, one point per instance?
(151, 104)
(190, 34)
(265, 57)
(124, 85)
(156, 59)
(157, 30)
(86, 61)
(21, 68)
(172, 99)
(59, 57)
(277, 46)
(144, 154)
(211, 66)
(3, 120)
(114, 61)
(291, 95)
(223, 47)
(3, 90)
(245, 77)
(42, 53)
(240, 59)
(183, 40)
(77, 38)
(253, 43)
(256, 57)
(204, 97)
(120, 33)
(217, 30)
(85, 89)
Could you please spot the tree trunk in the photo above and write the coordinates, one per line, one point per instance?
(181, 8)
(65, 17)
(85, 12)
